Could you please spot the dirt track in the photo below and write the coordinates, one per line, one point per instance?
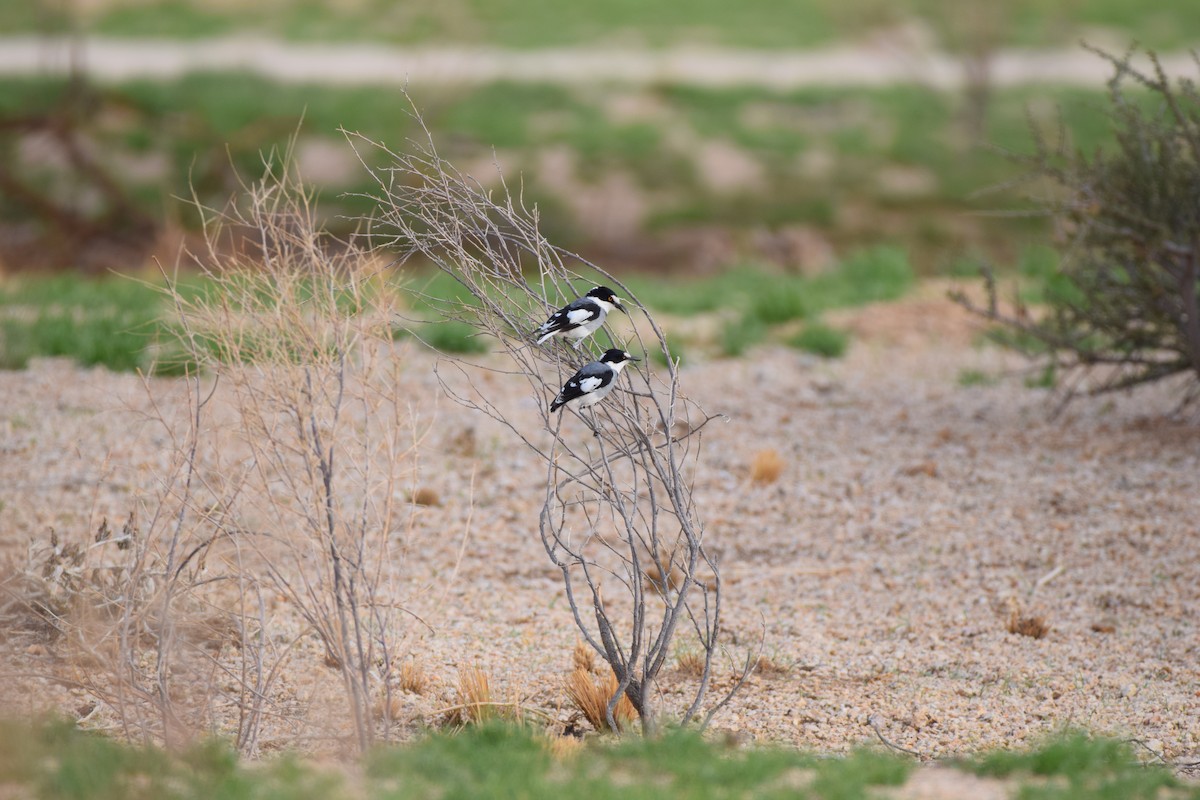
(876, 63)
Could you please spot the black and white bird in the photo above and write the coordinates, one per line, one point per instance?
(580, 318)
(593, 381)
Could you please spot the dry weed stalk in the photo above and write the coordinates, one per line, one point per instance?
(583, 657)
(614, 500)
(310, 446)
(592, 695)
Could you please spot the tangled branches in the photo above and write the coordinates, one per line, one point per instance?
(618, 518)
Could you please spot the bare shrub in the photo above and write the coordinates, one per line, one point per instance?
(312, 449)
(616, 502)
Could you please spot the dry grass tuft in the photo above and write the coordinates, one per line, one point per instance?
(771, 667)
(766, 467)
(690, 662)
(1031, 625)
(654, 579)
(413, 678)
(424, 496)
(591, 696)
(464, 443)
(583, 656)
(475, 696)
(564, 748)
(389, 708)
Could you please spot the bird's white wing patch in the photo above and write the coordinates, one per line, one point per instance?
(590, 384)
(579, 316)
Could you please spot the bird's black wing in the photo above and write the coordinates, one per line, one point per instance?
(588, 379)
(569, 317)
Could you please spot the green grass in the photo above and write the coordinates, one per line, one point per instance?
(739, 335)
(113, 322)
(542, 23)
(1085, 769)
(975, 377)
(125, 324)
(821, 340)
(207, 125)
(56, 761)
(453, 337)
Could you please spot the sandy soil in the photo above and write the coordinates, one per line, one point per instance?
(912, 517)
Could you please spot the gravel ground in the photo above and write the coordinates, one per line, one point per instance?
(912, 518)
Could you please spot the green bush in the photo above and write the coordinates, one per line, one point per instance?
(453, 337)
(1126, 292)
(821, 340)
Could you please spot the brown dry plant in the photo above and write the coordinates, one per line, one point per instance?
(475, 703)
(278, 515)
(583, 657)
(564, 748)
(766, 467)
(425, 496)
(689, 662)
(413, 678)
(598, 697)
(1031, 625)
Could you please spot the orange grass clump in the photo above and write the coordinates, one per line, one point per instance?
(1032, 626)
(591, 696)
(766, 467)
(771, 667)
(424, 496)
(413, 678)
(654, 578)
(583, 656)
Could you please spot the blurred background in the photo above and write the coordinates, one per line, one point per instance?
(653, 135)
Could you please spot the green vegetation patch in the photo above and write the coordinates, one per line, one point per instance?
(821, 340)
(112, 322)
(56, 761)
(861, 166)
(544, 23)
(1079, 767)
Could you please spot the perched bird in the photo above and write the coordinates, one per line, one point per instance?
(580, 318)
(593, 381)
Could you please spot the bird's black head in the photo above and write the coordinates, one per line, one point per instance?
(617, 356)
(607, 295)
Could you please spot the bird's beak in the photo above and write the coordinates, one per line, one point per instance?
(617, 303)
(634, 358)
